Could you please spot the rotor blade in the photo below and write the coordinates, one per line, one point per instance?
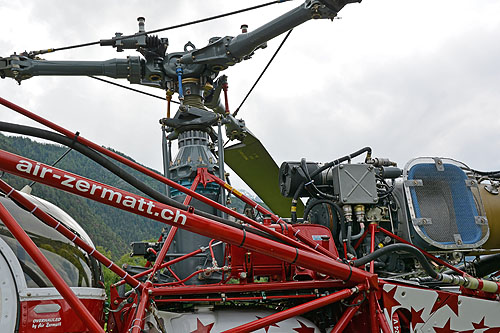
(253, 164)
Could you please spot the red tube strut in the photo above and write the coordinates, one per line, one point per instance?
(49, 270)
(297, 310)
(183, 219)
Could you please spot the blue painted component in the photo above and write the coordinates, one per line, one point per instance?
(179, 78)
(447, 185)
(211, 188)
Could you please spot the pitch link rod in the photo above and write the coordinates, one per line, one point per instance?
(49, 270)
(187, 220)
(49, 220)
(297, 310)
(152, 174)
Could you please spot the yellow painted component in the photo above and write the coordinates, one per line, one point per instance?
(190, 80)
(233, 190)
(293, 209)
(491, 203)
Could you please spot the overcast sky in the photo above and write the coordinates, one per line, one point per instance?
(408, 78)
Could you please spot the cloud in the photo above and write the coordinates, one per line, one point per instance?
(408, 78)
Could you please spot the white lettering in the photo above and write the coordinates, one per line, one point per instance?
(44, 171)
(67, 181)
(179, 215)
(24, 166)
(94, 188)
(129, 201)
(112, 194)
(164, 215)
(141, 204)
(150, 206)
(82, 185)
(35, 171)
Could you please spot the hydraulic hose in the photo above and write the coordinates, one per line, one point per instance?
(399, 247)
(118, 171)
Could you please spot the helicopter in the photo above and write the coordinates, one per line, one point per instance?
(334, 189)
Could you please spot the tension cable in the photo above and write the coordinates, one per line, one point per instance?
(127, 87)
(34, 53)
(261, 74)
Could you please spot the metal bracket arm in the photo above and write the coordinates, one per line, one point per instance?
(227, 51)
(21, 68)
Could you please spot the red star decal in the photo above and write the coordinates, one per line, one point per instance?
(200, 328)
(445, 329)
(480, 325)
(450, 300)
(303, 328)
(267, 327)
(389, 301)
(416, 317)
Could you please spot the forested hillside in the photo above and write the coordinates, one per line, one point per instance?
(109, 227)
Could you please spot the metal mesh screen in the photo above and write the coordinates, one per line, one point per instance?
(446, 203)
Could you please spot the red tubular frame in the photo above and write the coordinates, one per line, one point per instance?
(347, 316)
(427, 254)
(54, 277)
(297, 310)
(11, 163)
(49, 220)
(171, 234)
(263, 210)
(152, 174)
(292, 251)
(255, 287)
(141, 310)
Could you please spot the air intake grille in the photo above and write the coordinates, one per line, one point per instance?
(444, 212)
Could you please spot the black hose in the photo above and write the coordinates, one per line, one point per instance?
(481, 268)
(398, 247)
(129, 178)
(367, 150)
(336, 207)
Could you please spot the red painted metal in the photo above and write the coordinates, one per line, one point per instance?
(49, 220)
(138, 322)
(225, 86)
(382, 320)
(427, 254)
(48, 270)
(148, 172)
(171, 234)
(331, 251)
(347, 316)
(264, 211)
(373, 229)
(297, 310)
(254, 287)
(64, 320)
(187, 220)
(361, 239)
(228, 299)
(372, 300)
(163, 265)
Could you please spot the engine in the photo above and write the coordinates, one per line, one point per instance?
(438, 204)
